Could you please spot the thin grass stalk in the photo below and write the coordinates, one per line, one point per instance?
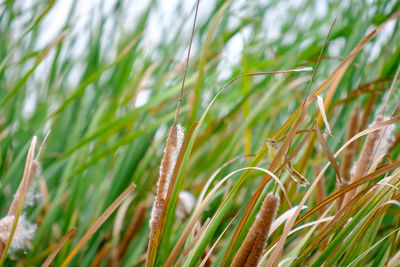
(320, 189)
(58, 247)
(133, 228)
(117, 229)
(350, 151)
(99, 259)
(367, 111)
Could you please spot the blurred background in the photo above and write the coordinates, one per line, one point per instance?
(104, 77)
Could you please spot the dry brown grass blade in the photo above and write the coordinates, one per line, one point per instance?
(133, 228)
(23, 188)
(321, 107)
(58, 247)
(301, 144)
(332, 89)
(329, 153)
(18, 201)
(350, 151)
(320, 190)
(347, 61)
(45, 199)
(99, 222)
(367, 111)
(152, 250)
(365, 88)
(98, 260)
(117, 229)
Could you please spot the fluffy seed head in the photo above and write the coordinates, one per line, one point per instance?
(23, 232)
(171, 152)
(251, 249)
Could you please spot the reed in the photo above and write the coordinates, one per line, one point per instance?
(171, 151)
(350, 151)
(251, 249)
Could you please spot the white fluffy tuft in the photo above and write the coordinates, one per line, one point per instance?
(173, 158)
(24, 231)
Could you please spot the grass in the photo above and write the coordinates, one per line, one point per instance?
(100, 164)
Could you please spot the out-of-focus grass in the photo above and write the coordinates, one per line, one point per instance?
(101, 141)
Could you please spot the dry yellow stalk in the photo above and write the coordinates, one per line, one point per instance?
(250, 251)
(58, 247)
(14, 205)
(132, 229)
(320, 189)
(349, 152)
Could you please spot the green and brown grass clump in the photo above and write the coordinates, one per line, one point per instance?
(115, 166)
